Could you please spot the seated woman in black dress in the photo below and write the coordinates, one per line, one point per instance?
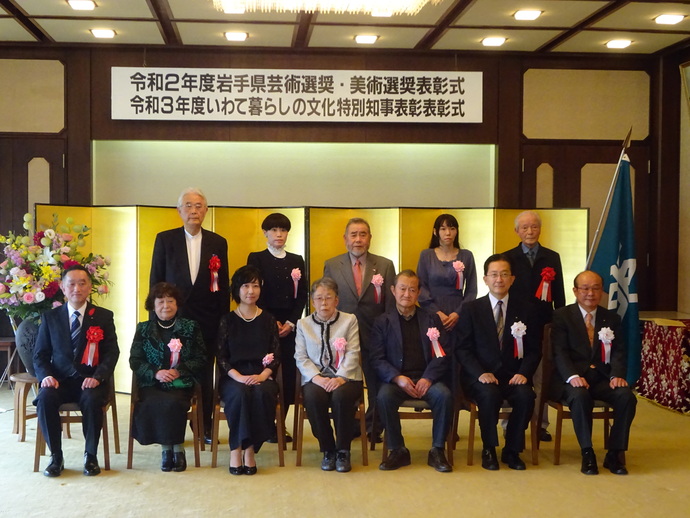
(248, 359)
(167, 356)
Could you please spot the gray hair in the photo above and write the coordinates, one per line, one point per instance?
(191, 190)
(527, 213)
(357, 221)
(324, 282)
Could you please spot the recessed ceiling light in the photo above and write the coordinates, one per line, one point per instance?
(382, 14)
(494, 41)
(103, 33)
(527, 15)
(234, 7)
(669, 19)
(236, 36)
(82, 5)
(366, 39)
(618, 44)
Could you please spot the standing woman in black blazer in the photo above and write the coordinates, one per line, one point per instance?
(284, 293)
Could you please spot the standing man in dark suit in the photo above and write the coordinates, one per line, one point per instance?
(75, 356)
(196, 261)
(498, 350)
(408, 351)
(364, 282)
(533, 266)
(590, 359)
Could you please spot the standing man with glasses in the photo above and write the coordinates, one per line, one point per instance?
(196, 261)
(539, 282)
(589, 352)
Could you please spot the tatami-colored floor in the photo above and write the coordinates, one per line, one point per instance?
(658, 484)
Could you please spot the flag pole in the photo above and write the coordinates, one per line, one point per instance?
(595, 241)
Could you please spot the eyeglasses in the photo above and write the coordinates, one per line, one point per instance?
(197, 206)
(585, 289)
(327, 298)
(502, 275)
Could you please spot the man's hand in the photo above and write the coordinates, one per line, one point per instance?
(488, 377)
(90, 383)
(423, 386)
(518, 379)
(579, 381)
(284, 329)
(407, 385)
(49, 382)
(618, 382)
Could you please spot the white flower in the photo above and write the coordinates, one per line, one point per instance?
(518, 329)
(606, 334)
(40, 296)
(49, 233)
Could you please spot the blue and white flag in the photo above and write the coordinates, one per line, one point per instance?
(615, 260)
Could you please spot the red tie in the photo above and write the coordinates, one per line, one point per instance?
(357, 272)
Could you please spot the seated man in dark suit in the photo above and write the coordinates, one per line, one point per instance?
(407, 352)
(498, 351)
(590, 358)
(75, 356)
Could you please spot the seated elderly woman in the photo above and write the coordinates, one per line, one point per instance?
(167, 356)
(327, 355)
(248, 358)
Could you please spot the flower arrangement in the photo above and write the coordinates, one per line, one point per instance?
(33, 263)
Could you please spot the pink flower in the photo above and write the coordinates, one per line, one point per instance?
(175, 345)
(458, 266)
(103, 289)
(296, 274)
(56, 304)
(433, 334)
(340, 344)
(3, 288)
(377, 280)
(67, 237)
(267, 360)
(28, 297)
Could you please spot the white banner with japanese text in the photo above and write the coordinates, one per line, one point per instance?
(274, 95)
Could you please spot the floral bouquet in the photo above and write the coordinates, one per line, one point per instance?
(32, 265)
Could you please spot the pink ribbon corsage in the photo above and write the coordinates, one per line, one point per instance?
(548, 274)
(296, 276)
(175, 347)
(606, 336)
(436, 348)
(459, 267)
(518, 330)
(214, 266)
(339, 344)
(377, 281)
(267, 360)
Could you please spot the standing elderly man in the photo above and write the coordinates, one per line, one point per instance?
(408, 351)
(196, 261)
(75, 356)
(590, 357)
(538, 281)
(364, 281)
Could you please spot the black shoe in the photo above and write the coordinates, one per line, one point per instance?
(589, 462)
(612, 462)
(375, 438)
(250, 470)
(328, 461)
(239, 470)
(489, 459)
(274, 439)
(544, 435)
(396, 459)
(55, 466)
(512, 459)
(437, 460)
(91, 465)
(208, 439)
(342, 461)
(180, 461)
(167, 460)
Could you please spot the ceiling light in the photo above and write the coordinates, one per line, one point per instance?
(366, 39)
(82, 5)
(236, 36)
(233, 7)
(395, 7)
(669, 19)
(618, 44)
(494, 41)
(382, 13)
(527, 15)
(103, 33)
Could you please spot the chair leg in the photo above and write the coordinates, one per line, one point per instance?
(557, 439)
(607, 428)
(130, 439)
(363, 434)
(214, 435)
(299, 415)
(197, 437)
(280, 424)
(39, 449)
(21, 392)
(116, 428)
(106, 446)
(295, 426)
(470, 435)
(534, 427)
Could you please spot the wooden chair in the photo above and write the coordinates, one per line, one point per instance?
(503, 414)
(23, 383)
(601, 409)
(193, 416)
(219, 413)
(68, 415)
(301, 416)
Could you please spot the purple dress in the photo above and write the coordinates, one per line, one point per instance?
(438, 279)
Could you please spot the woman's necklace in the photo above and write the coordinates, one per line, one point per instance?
(169, 326)
(239, 312)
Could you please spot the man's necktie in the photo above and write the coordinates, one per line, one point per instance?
(74, 330)
(590, 328)
(498, 317)
(357, 272)
(530, 256)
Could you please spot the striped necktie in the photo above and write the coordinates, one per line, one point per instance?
(498, 316)
(74, 330)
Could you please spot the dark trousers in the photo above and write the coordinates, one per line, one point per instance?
(91, 402)
(250, 411)
(489, 398)
(581, 402)
(342, 403)
(439, 398)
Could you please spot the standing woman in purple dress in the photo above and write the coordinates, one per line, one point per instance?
(447, 273)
